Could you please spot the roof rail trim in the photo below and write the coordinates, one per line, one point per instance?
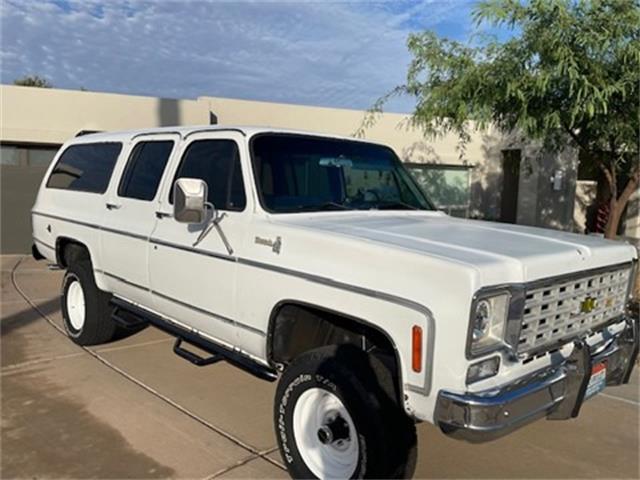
(202, 130)
(166, 132)
(82, 133)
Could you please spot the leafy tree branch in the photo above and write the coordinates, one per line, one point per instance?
(568, 76)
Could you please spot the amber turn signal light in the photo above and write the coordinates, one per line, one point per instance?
(416, 348)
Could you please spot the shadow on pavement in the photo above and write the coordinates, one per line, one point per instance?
(27, 316)
(46, 434)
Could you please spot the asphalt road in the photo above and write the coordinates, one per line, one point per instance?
(132, 409)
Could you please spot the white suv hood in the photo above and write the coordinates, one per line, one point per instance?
(500, 252)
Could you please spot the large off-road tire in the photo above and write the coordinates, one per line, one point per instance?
(86, 312)
(336, 417)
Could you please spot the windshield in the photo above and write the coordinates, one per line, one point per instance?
(297, 173)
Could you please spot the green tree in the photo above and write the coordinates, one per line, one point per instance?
(568, 75)
(33, 81)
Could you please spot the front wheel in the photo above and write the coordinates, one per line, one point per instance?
(334, 418)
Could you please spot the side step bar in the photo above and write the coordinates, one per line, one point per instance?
(127, 320)
(194, 357)
(218, 352)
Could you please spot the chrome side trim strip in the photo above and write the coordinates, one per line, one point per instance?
(68, 220)
(219, 256)
(120, 279)
(185, 305)
(195, 308)
(93, 225)
(126, 234)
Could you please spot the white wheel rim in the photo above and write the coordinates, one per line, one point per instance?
(318, 409)
(75, 305)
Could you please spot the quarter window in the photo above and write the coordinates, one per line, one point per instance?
(144, 170)
(85, 167)
(217, 162)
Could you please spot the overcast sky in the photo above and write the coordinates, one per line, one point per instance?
(337, 54)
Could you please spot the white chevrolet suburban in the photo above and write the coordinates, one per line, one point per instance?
(318, 261)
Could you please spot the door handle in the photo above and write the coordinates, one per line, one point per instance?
(113, 206)
(162, 215)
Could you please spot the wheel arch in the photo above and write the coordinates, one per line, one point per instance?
(329, 325)
(68, 248)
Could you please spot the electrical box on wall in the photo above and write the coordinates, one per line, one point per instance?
(557, 180)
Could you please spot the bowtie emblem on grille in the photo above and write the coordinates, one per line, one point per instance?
(588, 305)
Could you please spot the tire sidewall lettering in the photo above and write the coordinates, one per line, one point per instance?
(282, 411)
(316, 380)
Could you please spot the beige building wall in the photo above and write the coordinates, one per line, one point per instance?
(35, 116)
(53, 116)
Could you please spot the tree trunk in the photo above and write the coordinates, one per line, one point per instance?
(618, 204)
(615, 214)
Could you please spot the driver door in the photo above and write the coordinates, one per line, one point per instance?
(195, 284)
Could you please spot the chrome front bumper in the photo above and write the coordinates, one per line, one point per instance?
(556, 392)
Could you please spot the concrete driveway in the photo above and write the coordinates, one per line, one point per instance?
(132, 409)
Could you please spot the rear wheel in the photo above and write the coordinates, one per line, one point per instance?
(86, 311)
(335, 418)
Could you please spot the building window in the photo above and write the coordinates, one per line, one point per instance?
(27, 155)
(447, 186)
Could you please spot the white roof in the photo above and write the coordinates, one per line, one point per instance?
(183, 131)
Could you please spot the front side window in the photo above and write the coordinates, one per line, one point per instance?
(297, 173)
(85, 167)
(217, 162)
(144, 170)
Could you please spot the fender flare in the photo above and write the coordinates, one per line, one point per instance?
(357, 320)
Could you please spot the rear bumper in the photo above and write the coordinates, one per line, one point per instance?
(556, 392)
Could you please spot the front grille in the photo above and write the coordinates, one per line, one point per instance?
(569, 307)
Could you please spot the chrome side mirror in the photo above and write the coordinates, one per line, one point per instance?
(190, 200)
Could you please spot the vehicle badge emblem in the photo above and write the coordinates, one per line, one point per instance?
(275, 245)
(588, 305)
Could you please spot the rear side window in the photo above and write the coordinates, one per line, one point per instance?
(217, 162)
(85, 168)
(144, 170)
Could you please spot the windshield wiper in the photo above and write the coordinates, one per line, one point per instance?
(395, 205)
(324, 206)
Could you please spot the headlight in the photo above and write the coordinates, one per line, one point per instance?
(488, 321)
